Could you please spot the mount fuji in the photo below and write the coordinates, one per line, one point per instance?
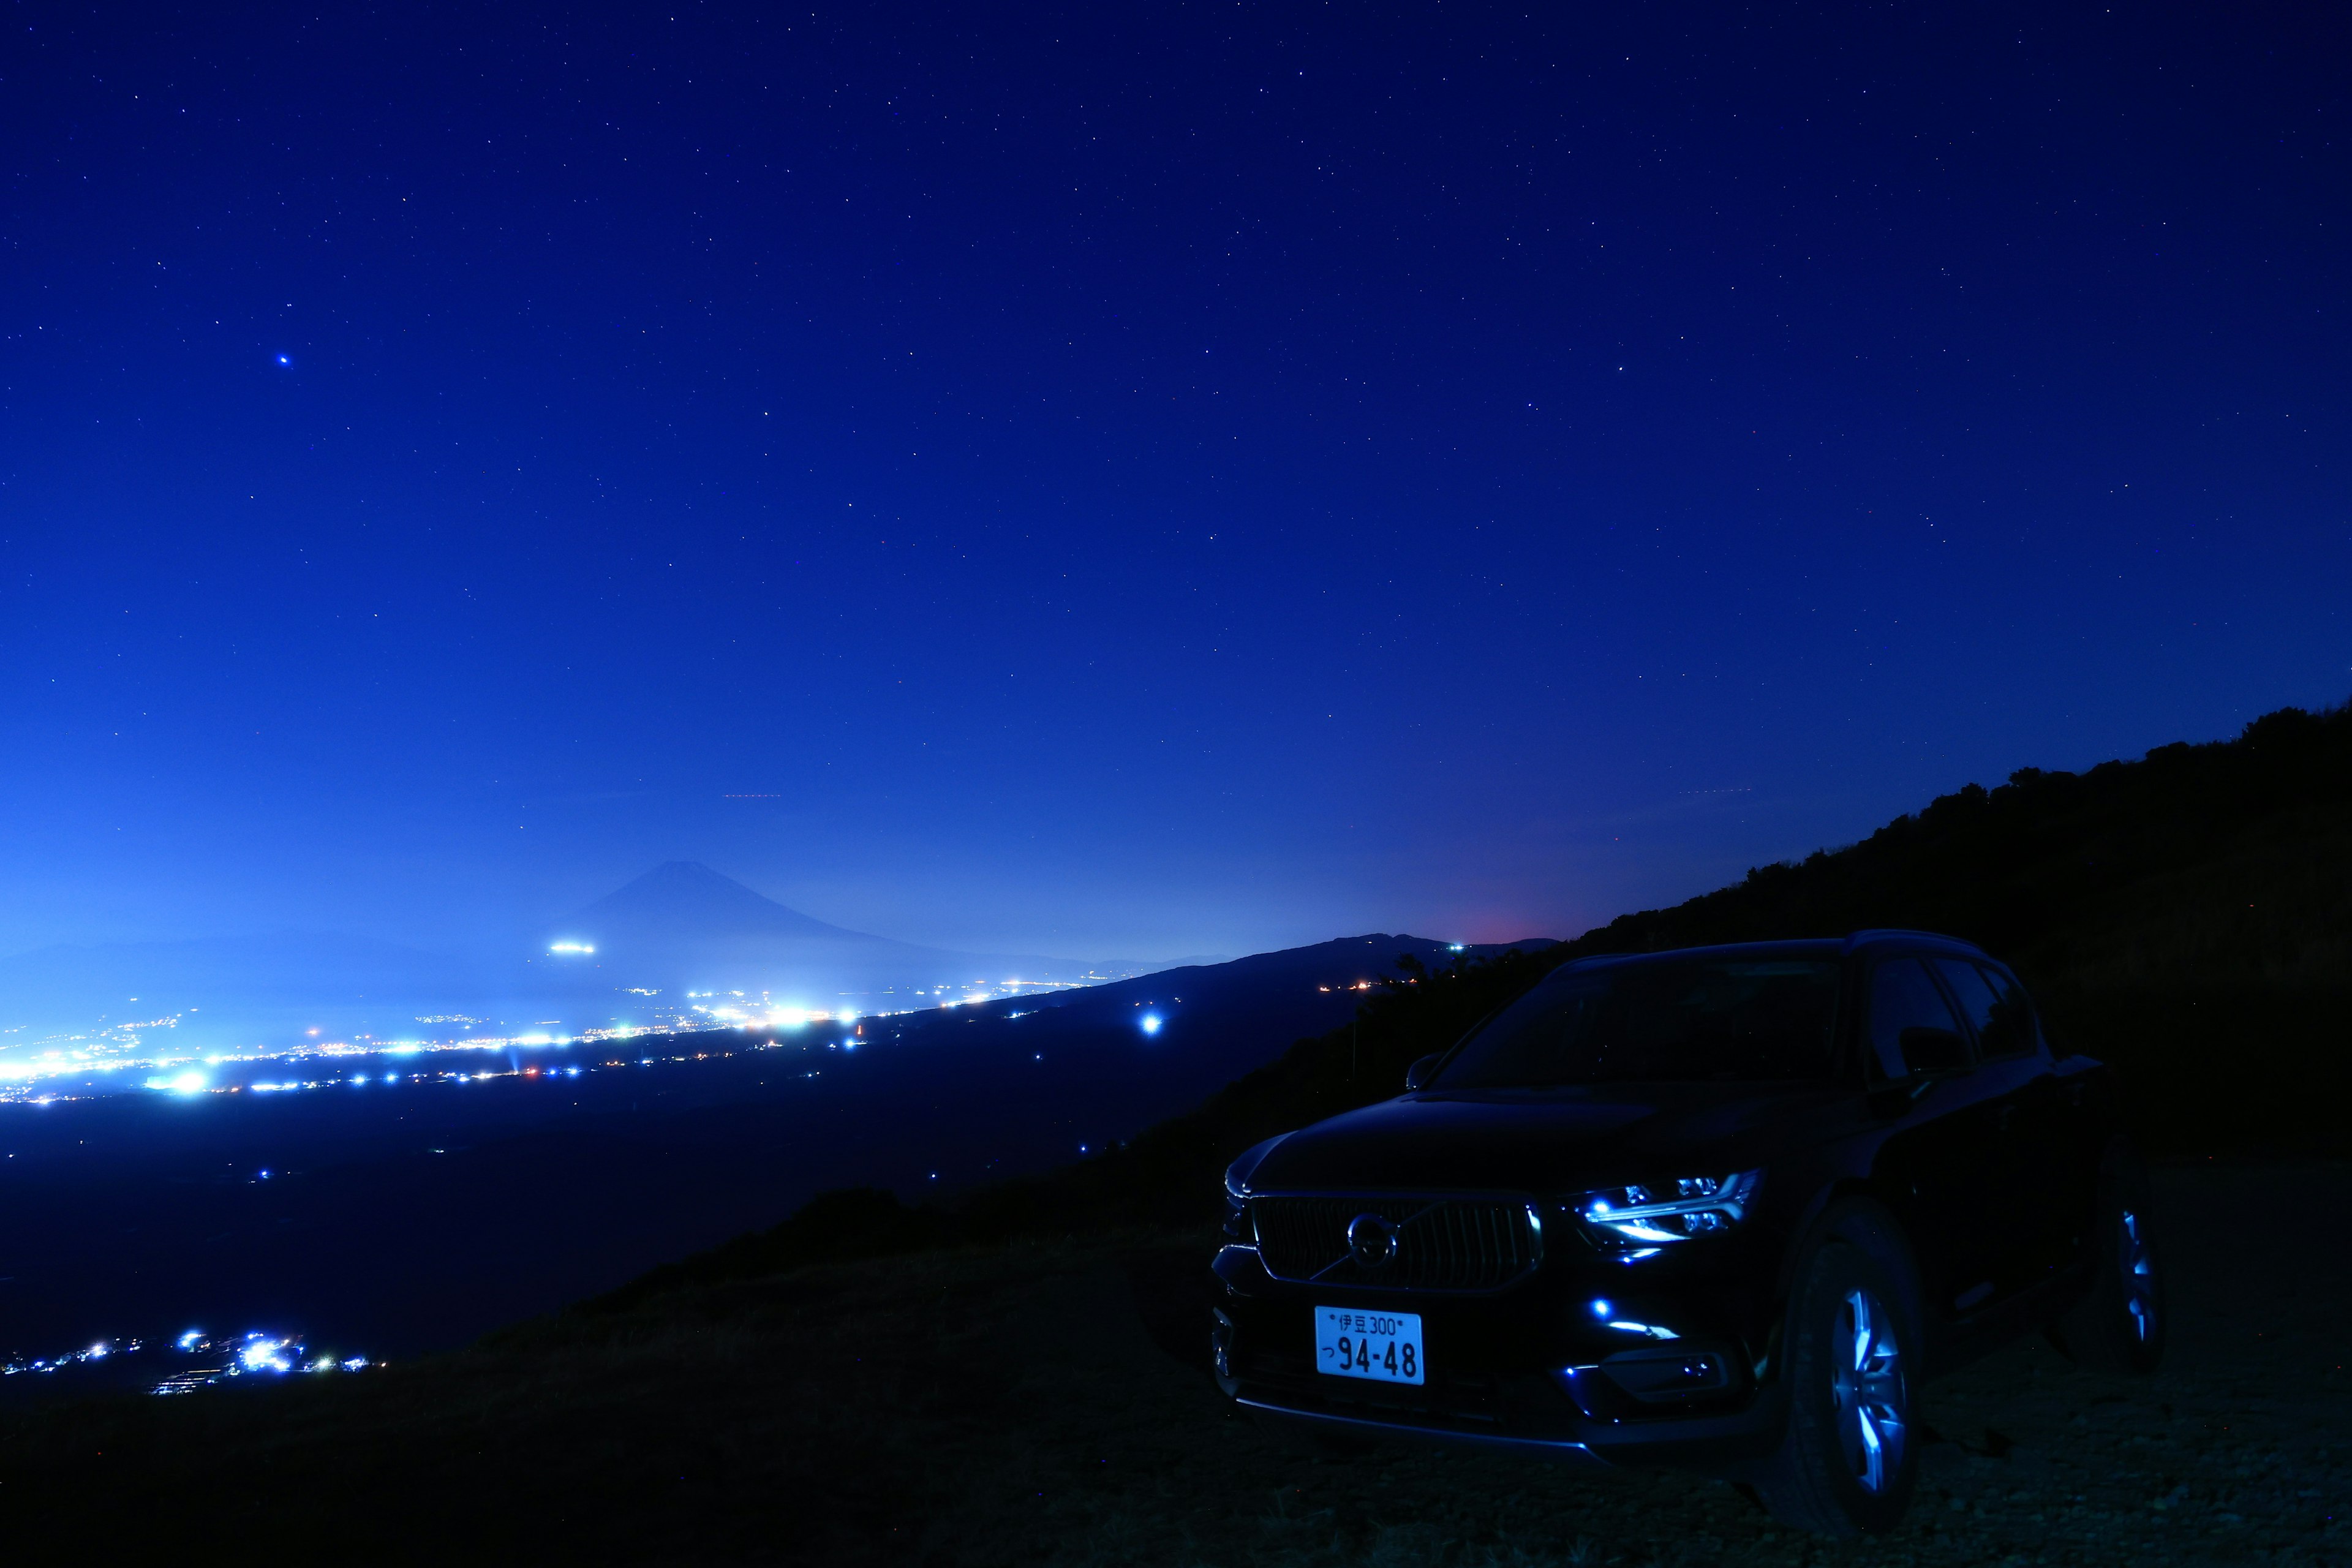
(683, 925)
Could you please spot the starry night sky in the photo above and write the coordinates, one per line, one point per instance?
(1133, 479)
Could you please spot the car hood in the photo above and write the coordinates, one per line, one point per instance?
(1546, 1139)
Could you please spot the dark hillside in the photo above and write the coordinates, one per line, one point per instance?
(2216, 865)
(2188, 917)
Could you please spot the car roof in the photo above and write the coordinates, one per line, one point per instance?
(1827, 948)
(1911, 942)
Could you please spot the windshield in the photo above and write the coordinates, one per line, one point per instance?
(1659, 1021)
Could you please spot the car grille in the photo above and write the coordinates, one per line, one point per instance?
(1442, 1244)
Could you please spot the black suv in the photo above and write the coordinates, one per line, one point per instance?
(1723, 1208)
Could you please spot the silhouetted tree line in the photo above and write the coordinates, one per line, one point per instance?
(2188, 917)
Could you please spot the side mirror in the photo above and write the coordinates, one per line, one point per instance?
(1934, 1053)
(1421, 1071)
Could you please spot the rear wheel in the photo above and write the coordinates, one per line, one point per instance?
(2119, 1326)
(1849, 1460)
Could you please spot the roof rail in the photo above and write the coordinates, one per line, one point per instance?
(1881, 934)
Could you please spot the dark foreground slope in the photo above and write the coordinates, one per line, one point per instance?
(1046, 1403)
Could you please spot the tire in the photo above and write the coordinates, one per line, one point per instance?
(2120, 1325)
(1849, 1458)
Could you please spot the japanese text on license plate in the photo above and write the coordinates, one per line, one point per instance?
(1383, 1346)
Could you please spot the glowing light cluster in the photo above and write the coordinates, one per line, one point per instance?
(252, 1354)
(45, 1073)
(97, 1352)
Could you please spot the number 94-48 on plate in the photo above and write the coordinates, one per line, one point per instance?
(1383, 1346)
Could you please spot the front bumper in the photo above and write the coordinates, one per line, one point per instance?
(1534, 1368)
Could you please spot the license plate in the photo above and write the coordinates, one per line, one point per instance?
(1383, 1346)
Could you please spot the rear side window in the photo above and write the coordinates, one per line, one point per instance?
(2004, 1022)
(1903, 997)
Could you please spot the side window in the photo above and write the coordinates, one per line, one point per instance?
(2010, 1033)
(1903, 997)
(1996, 1036)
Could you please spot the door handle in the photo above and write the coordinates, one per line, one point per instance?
(2007, 1116)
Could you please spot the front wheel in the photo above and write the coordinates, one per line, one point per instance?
(2120, 1325)
(1849, 1458)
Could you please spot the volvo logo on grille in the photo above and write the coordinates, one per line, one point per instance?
(1371, 1240)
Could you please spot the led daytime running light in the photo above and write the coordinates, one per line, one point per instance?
(1642, 1214)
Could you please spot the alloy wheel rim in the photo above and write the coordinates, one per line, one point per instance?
(2139, 1277)
(1866, 1386)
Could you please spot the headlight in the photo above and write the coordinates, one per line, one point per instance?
(1650, 1214)
(1237, 1226)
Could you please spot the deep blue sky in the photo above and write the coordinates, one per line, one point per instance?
(1138, 480)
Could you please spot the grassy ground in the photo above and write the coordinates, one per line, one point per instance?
(1049, 1404)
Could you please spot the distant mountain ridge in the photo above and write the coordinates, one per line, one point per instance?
(680, 927)
(683, 898)
(686, 899)
(684, 925)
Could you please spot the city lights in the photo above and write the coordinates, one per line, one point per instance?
(97, 1352)
(129, 1057)
(185, 1083)
(201, 1359)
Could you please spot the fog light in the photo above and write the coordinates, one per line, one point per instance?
(1663, 1376)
